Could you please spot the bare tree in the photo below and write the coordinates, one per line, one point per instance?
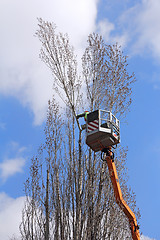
(69, 192)
(109, 85)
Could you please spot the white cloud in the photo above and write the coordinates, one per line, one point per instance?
(146, 238)
(10, 215)
(14, 164)
(105, 28)
(22, 74)
(10, 167)
(141, 25)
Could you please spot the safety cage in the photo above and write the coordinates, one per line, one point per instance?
(102, 130)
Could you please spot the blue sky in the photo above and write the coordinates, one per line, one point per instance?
(26, 86)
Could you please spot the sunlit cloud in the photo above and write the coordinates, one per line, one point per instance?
(106, 28)
(13, 162)
(10, 167)
(141, 25)
(10, 215)
(22, 74)
(146, 238)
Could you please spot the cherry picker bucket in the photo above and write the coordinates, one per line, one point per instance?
(102, 130)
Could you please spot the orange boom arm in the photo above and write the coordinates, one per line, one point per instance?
(102, 132)
(119, 198)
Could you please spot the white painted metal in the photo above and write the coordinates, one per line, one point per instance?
(102, 130)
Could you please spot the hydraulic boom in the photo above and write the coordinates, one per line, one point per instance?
(102, 132)
(118, 194)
